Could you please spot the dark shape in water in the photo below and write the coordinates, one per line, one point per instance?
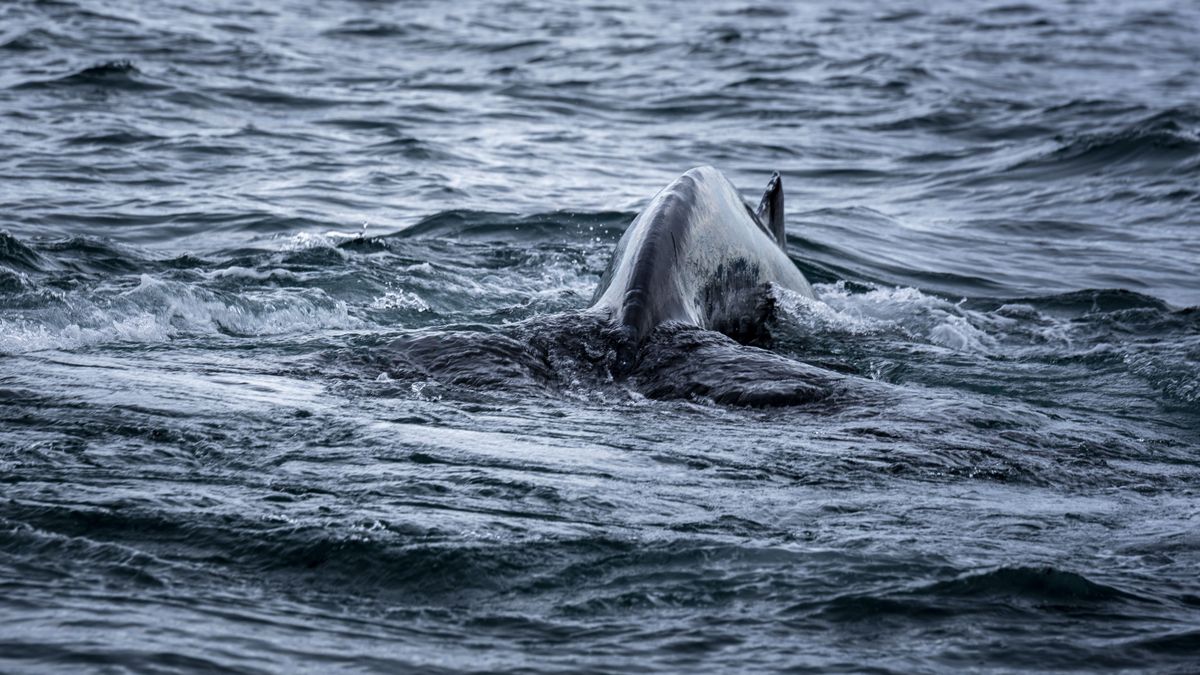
(693, 270)
(698, 255)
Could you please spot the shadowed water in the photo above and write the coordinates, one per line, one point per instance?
(294, 374)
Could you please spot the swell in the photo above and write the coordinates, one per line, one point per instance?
(109, 75)
(380, 560)
(14, 254)
(1035, 584)
(1161, 141)
(580, 577)
(1029, 590)
(510, 227)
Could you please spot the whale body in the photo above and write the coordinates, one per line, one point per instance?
(680, 313)
(699, 255)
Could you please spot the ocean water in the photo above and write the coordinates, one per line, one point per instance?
(293, 378)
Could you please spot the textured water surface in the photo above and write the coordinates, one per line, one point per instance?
(292, 374)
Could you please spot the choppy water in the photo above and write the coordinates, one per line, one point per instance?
(291, 379)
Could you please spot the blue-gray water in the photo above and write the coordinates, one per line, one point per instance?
(215, 455)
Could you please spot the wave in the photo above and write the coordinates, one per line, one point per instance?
(15, 254)
(264, 96)
(1038, 589)
(1171, 370)
(1036, 584)
(404, 557)
(400, 556)
(844, 311)
(109, 75)
(389, 281)
(94, 255)
(1180, 643)
(511, 227)
(1169, 138)
(36, 40)
(122, 137)
(158, 310)
(981, 325)
(1087, 301)
(13, 282)
(412, 148)
(367, 28)
(871, 332)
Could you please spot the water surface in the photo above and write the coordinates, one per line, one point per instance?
(292, 379)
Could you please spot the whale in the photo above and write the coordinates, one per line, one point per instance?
(699, 255)
(682, 311)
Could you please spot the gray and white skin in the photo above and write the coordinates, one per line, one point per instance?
(699, 255)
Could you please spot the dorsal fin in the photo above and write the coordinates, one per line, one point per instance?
(770, 209)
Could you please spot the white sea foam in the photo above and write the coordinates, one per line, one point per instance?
(157, 310)
(917, 315)
(306, 240)
(401, 300)
(247, 273)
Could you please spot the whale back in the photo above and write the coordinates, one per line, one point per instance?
(699, 255)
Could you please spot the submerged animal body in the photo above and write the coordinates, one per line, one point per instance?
(699, 255)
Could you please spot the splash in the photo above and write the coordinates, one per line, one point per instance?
(158, 310)
(885, 311)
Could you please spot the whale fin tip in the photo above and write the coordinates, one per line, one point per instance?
(770, 209)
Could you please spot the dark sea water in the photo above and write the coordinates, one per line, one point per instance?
(292, 377)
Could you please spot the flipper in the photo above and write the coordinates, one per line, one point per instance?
(770, 209)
